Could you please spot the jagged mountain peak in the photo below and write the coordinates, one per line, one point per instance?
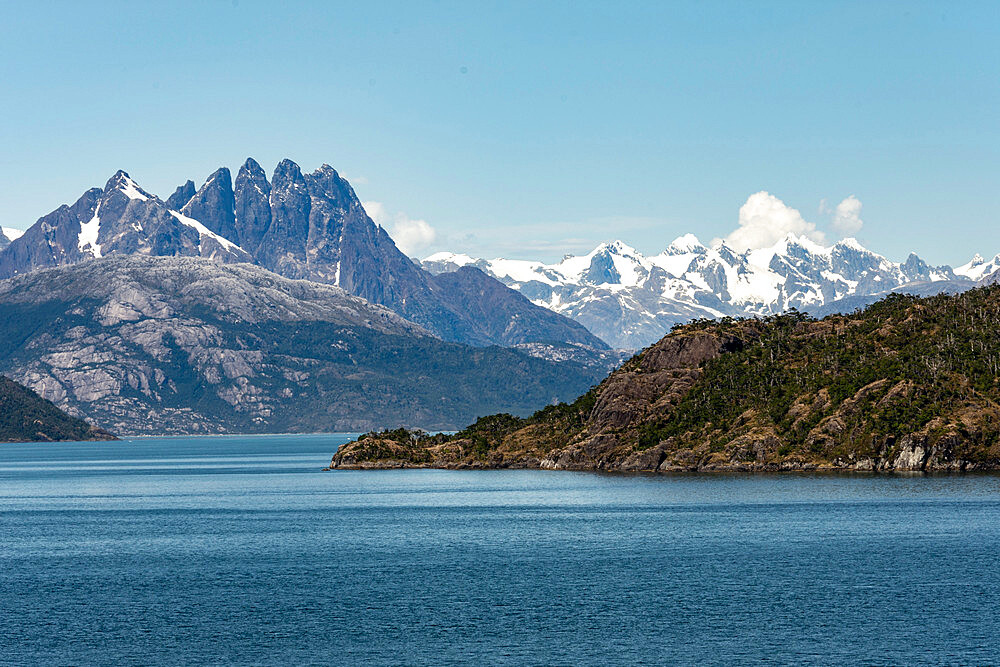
(617, 247)
(286, 171)
(251, 165)
(214, 205)
(181, 196)
(123, 183)
(978, 268)
(685, 244)
(852, 243)
(324, 169)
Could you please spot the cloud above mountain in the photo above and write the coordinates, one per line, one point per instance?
(847, 217)
(411, 235)
(764, 220)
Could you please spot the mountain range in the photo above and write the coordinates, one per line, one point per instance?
(262, 305)
(303, 226)
(631, 300)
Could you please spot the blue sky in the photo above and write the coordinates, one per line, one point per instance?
(527, 130)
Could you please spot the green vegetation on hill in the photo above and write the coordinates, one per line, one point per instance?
(27, 417)
(908, 383)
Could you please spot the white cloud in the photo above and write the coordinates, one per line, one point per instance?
(376, 211)
(11, 233)
(847, 217)
(764, 220)
(411, 235)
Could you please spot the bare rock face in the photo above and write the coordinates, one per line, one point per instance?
(214, 205)
(252, 197)
(661, 375)
(182, 195)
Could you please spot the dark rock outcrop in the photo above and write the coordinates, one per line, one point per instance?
(252, 195)
(182, 195)
(214, 205)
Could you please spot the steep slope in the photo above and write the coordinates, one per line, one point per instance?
(309, 226)
(630, 300)
(27, 417)
(505, 315)
(909, 384)
(181, 345)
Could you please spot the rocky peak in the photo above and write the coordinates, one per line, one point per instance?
(123, 183)
(602, 270)
(326, 183)
(181, 196)
(214, 205)
(685, 244)
(252, 195)
(283, 246)
(287, 176)
(851, 244)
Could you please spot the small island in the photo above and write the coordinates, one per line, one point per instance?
(908, 384)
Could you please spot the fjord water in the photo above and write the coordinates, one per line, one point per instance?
(241, 550)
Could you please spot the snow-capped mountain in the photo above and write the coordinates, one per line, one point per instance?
(978, 268)
(630, 300)
(299, 225)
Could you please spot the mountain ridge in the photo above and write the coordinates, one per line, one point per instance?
(160, 345)
(630, 299)
(298, 225)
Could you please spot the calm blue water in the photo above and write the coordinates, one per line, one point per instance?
(240, 550)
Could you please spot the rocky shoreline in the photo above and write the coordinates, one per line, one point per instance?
(910, 457)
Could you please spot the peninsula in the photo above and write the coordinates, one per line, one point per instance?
(906, 384)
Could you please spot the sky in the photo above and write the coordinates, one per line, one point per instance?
(531, 130)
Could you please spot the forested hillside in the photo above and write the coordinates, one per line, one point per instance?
(26, 417)
(908, 383)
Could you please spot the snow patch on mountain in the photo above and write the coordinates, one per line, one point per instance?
(87, 240)
(131, 190)
(204, 231)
